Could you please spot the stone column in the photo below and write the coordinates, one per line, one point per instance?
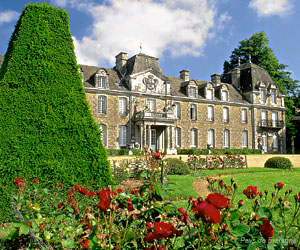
(143, 135)
(167, 147)
(149, 135)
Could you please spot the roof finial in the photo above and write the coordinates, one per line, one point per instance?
(140, 48)
(250, 58)
(239, 61)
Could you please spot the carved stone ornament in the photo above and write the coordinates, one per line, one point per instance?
(150, 82)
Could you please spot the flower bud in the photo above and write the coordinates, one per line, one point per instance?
(240, 203)
(235, 186)
(280, 199)
(273, 194)
(266, 191)
(241, 218)
(232, 180)
(290, 190)
(255, 218)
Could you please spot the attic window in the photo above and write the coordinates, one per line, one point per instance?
(101, 79)
(209, 94)
(192, 92)
(224, 96)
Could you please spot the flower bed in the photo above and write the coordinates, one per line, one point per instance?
(77, 218)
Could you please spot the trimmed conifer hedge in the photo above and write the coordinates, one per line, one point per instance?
(46, 127)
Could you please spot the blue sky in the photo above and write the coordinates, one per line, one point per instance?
(197, 35)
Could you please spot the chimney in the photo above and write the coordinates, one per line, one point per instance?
(235, 77)
(121, 60)
(185, 75)
(216, 79)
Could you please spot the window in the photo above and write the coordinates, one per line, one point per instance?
(275, 140)
(177, 137)
(274, 97)
(193, 112)
(122, 136)
(101, 104)
(226, 114)
(101, 82)
(245, 139)
(244, 116)
(224, 96)
(103, 130)
(262, 96)
(226, 138)
(194, 136)
(211, 138)
(264, 118)
(177, 110)
(151, 103)
(192, 91)
(210, 113)
(274, 119)
(209, 94)
(123, 106)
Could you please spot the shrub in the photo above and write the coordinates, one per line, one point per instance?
(278, 162)
(46, 126)
(177, 166)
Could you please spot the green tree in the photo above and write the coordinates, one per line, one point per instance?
(46, 126)
(263, 56)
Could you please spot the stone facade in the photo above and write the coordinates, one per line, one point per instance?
(136, 105)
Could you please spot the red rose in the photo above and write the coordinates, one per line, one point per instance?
(151, 187)
(130, 208)
(71, 199)
(83, 190)
(91, 193)
(218, 200)
(59, 205)
(70, 193)
(148, 225)
(119, 190)
(104, 194)
(207, 212)
(184, 216)
(280, 185)
(36, 181)
(241, 203)
(19, 182)
(85, 244)
(40, 197)
(250, 192)
(255, 218)
(266, 229)
(103, 205)
(157, 156)
(162, 230)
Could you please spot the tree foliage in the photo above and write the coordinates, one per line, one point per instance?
(263, 56)
(46, 126)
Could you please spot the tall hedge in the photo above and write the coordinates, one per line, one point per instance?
(46, 127)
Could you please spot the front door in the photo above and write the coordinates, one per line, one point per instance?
(265, 142)
(153, 139)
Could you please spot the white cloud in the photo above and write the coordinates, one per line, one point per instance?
(271, 7)
(8, 16)
(179, 26)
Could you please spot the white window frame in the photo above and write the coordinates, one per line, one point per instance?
(226, 138)
(224, 95)
(211, 138)
(194, 138)
(122, 136)
(262, 96)
(193, 92)
(151, 104)
(244, 116)
(274, 119)
(177, 110)
(245, 139)
(102, 104)
(264, 117)
(104, 137)
(177, 137)
(210, 113)
(193, 112)
(209, 96)
(226, 114)
(101, 82)
(274, 97)
(275, 140)
(123, 106)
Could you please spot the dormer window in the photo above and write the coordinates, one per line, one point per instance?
(101, 79)
(224, 96)
(192, 92)
(274, 97)
(209, 94)
(262, 96)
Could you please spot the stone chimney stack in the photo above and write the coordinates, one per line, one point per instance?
(185, 75)
(216, 79)
(235, 77)
(121, 60)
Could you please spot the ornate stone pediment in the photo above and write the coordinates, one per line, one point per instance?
(150, 82)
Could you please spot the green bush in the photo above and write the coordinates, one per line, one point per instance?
(120, 152)
(46, 126)
(227, 151)
(177, 166)
(278, 162)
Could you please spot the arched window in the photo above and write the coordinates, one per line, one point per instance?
(103, 129)
(122, 136)
(211, 138)
(245, 139)
(123, 106)
(244, 116)
(226, 114)
(226, 138)
(194, 137)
